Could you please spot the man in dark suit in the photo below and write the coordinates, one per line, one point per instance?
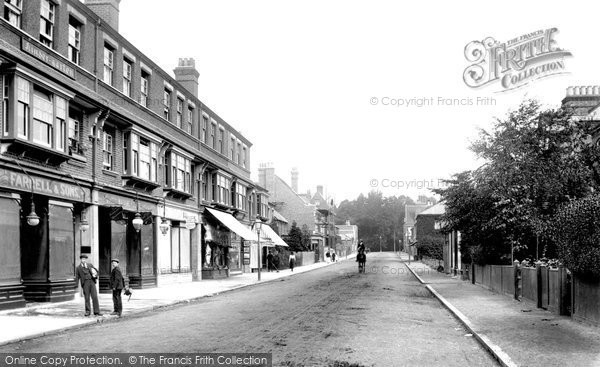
(87, 275)
(117, 283)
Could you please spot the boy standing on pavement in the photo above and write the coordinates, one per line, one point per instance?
(117, 283)
(87, 274)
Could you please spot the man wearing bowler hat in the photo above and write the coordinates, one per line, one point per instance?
(87, 275)
(117, 283)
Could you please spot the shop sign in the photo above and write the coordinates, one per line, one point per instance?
(22, 182)
(47, 58)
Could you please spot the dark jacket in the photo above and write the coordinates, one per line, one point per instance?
(116, 279)
(82, 274)
(361, 258)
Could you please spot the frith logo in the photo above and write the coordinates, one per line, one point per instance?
(516, 62)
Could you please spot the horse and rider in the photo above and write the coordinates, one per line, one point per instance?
(361, 257)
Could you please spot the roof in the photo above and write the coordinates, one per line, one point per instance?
(411, 212)
(437, 209)
(279, 217)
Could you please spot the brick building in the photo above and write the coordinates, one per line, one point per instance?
(97, 140)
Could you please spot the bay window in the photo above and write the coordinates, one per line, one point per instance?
(240, 196)
(34, 114)
(222, 189)
(180, 169)
(141, 157)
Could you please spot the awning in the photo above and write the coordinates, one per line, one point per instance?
(233, 224)
(268, 237)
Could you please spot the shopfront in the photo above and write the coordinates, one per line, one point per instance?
(118, 238)
(39, 219)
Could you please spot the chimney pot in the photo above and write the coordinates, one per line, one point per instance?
(187, 75)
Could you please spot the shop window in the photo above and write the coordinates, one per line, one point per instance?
(47, 14)
(74, 41)
(12, 12)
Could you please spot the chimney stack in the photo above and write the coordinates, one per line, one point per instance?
(295, 179)
(187, 75)
(107, 10)
(266, 178)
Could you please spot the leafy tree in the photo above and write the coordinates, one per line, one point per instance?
(534, 162)
(576, 228)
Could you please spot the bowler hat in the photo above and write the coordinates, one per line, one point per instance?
(115, 260)
(83, 256)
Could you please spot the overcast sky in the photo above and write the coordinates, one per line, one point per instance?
(297, 78)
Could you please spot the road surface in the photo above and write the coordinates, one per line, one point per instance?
(331, 316)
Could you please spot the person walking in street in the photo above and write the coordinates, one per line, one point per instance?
(86, 274)
(333, 256)
(117, 283)
(276, 260)
(292, 260)
(270, 261)
(328, 257)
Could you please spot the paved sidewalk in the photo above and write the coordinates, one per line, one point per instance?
(527, 335)
(48, 318)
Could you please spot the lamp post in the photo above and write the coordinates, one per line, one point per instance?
(258, 225)
(137, 222)
(164, 223)
(379, 243)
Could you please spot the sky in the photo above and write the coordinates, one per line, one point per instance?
(311, 83)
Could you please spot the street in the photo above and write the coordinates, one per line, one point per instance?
(329, 316)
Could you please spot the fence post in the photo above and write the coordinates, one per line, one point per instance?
(538, 277)
(517, 278)
(472, 273)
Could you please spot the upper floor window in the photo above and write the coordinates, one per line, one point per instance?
(240, 196)
(74, 40)
(190, 120)
(107, 150)
(47, 22)
(167, 104)
(213, 135)
(244, 156)
(239, 153)
(74, 132)
(204, 193)
(12, 12)
(109, 58)
(221, 142)
(203, 133)
(222, 189)
(5, 103)
(181, 172)
(36, 114)
(179, 119)
(232, 149)
(144, 82)
(127, 67)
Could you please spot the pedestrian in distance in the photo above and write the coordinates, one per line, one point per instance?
(276, 261)
(333, 257)
(270, 261)
(117, 284)
(292, 260)
(87, 275)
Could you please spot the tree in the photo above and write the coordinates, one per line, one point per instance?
(534, 162)
(576, 228)
(306, 237)
(294, 238)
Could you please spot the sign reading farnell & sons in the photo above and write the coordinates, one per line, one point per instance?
(47, 58)
(41, 186)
